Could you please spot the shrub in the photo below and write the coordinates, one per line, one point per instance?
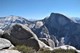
(57, 51)
(44, 51)
(64, 51)
(24, 49)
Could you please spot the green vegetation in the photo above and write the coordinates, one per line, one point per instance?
(44, 51)
(26, 49)
(57, 51)
(64, 51)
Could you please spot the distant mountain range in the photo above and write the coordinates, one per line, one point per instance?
(58, 27)
(6, 21)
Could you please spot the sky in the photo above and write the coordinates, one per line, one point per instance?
(39, 9)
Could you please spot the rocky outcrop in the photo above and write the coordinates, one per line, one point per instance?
(9, 51)
(49, 42)
(5, 44)
(20, 34)
(65, 47)
(39, 29)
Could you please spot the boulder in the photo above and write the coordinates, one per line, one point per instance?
(5, 44)
(21, 34)
(9, 51)
(65, 47)
(38, 24)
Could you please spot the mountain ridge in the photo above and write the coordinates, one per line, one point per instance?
(61, 29)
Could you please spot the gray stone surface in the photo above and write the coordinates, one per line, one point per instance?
(21, 34)
(5, 44)
(9, 51)
(61, 26)
(49, 42)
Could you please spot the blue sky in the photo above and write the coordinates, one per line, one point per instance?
(38, 9)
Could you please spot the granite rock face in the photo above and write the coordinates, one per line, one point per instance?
(49, 42)
(57, 24)
(5, 44)
(20, 34)
(9, 51)
(62, 26)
